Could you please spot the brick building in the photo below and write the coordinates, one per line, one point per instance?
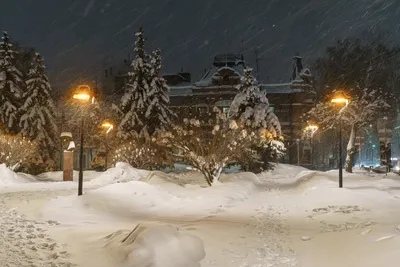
(217, 88)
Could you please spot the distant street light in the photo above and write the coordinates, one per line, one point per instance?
(340, 99)
(109, 127)
(83, 95)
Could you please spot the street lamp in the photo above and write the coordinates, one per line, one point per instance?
(340, 99)
(310, 130)
(385, 148)
(109, 127)
(83, 95)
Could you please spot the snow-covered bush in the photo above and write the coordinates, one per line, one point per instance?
(209, 146)
(16, 151)
(141, 154)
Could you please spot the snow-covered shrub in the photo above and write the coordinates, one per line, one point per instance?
(209, 146)
(16, 151)
(141, 154)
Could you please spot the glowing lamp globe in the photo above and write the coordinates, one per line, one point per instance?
(340, 98)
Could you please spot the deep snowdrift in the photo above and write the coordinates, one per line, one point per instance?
(135, 199)
(154, 246)
(279, 217)
(8, 177)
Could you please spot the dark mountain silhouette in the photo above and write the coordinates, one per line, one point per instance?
(79, 37)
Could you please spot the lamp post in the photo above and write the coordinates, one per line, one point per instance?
(298, 151)
(385, 147)
(311, 129)
(342, 101)
(109, 127)
(83, 95)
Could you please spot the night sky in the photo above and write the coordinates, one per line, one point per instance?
(78, 38)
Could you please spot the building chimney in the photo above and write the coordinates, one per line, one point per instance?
(297, 66)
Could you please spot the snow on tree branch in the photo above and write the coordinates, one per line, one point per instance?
(208, 147)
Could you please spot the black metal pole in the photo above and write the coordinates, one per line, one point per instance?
(106, 161)
(386, 154)
(80, 182)
(312, 152)
(340, 163)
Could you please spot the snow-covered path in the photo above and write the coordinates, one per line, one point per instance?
(257, 238)
(26, 243)
(289, 218)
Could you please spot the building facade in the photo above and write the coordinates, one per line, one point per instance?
(218, 87)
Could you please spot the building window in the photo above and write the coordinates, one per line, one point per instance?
(272, 107)
(225, 110)
(202, 110)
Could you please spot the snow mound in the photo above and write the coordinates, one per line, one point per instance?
(167, 200)
(7, 176)
(294, 177)
(122, 172)
(155, 246)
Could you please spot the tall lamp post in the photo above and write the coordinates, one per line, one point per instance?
(340, 99)
(109, 127)
(83, 95)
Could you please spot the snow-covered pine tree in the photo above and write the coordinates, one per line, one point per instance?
(38, 110)
(251, 110)
(11, 84)
(133, 103)
(158, 115)
(250, 107)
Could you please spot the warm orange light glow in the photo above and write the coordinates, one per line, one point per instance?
(83, 93)
(82, 96)
(313, 128)
(340, 98)
(107, 125)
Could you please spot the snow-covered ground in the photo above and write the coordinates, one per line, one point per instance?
(133, 218)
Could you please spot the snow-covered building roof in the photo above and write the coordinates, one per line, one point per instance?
(227, 71)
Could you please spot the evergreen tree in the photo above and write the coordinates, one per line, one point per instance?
(158, 115)
(250, 107)
(38, 110)
(11, 84)
(133, 102)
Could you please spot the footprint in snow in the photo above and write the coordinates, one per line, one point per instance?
(385, 238)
